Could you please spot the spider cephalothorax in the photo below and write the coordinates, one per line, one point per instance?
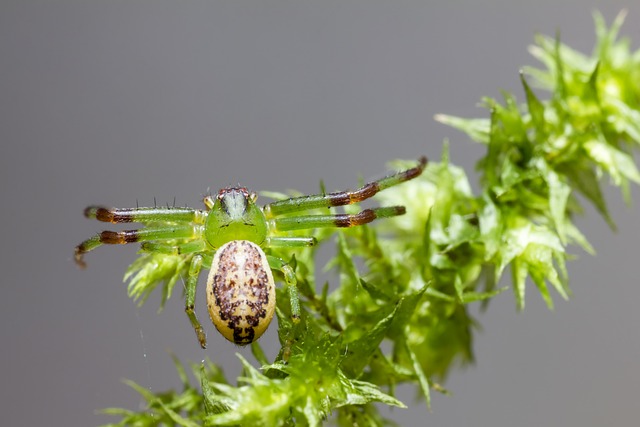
(230, 238)
(234, 215)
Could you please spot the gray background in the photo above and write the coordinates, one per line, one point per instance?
(113, 102)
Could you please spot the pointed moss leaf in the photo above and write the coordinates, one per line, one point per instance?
(490, 227)
(543, 261)
(626, 119)
(212, 404)
(511, 117)
(444, 155)
(489, 164)
(540, 51)
(561, 88)
(377, 292)
(426, 241)
(591, 89)
(383, 371)
(176, 418)
(439, 295)
(440, 260)
(618, 164)
(311, 412)
(536, 108)
(558, 197)
(519, 271)
(360, 350)
(477, 129)
(576, 236)
(182, 373)
(538, 280)
(422, 377)
(468, 297)
(606, 37)
(511, 175)
(258, 353)
(147, 395)
(586, 181)
(251, 373)
(366, 392)
(405, 310)
(557, 280)
(345, 258)
(460, 231)
(457, 284)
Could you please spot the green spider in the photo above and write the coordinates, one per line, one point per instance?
(230, 238)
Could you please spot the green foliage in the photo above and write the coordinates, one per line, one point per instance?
(399, 310)
(153, 269)
(541, 154)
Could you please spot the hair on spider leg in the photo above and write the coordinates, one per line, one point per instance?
(323, 188)
(206, 193)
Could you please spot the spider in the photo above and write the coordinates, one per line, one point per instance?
(230, 238)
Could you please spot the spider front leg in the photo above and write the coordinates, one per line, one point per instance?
(181, 249)
(144, 215)
(338, 220)
(108, 237)
(179, 224)
(342, 198)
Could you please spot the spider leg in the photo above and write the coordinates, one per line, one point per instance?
(168, 232)
(181, 249)
(337, 220)
(290, 242)
(145, 215)
(291, 282)
(190, 301)
(342, 198)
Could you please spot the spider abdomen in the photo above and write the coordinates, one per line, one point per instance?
(241, 292)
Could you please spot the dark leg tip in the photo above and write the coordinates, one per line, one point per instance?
(79, 259)
(202, 337)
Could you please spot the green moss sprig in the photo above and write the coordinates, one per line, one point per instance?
(404, 316)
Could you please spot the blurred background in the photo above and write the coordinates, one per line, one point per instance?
(118, 103)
